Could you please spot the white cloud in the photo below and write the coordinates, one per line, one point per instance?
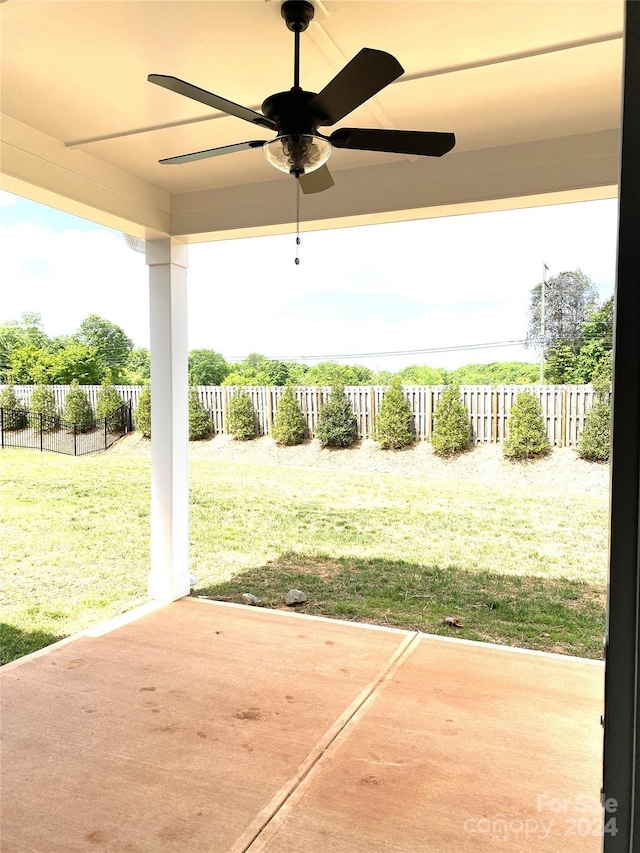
(466, 279)
(67, 275)
(405, 286)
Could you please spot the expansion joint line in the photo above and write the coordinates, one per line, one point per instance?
(265, 824)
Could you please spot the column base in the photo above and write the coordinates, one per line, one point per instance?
(161, 587)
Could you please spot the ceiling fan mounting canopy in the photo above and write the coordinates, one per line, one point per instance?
(296, 115)
(298, 14)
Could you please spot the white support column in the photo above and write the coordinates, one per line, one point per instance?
(169, 575)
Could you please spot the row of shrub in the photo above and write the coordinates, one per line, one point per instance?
(337, 426)
(77, 407)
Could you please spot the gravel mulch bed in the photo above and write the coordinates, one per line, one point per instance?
(561, 469)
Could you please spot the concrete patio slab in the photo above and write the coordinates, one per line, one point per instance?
(467, 748)
(218, 728)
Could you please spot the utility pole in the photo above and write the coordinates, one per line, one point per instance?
(545, 270)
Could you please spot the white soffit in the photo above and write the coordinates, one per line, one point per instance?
(531, 89)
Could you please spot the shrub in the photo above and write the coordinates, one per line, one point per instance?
(394, 421)
(526, 435)
(337, 425)
(15, 415)
(142, 415)
(241, 418)
(43, 402)
(289, 426)
(199, 418)
(451, 424)
(108, 399)
(595, 442)
(77, 408)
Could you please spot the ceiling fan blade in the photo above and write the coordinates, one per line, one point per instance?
(368, 72)
(213, 152)
(419, 142)
(181, 87)
(316, 181)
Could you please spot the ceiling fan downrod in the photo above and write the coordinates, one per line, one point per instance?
(298, 14)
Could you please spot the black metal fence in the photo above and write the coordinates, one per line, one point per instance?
(20, 428)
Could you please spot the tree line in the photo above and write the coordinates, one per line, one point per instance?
(577, 346)
(578, 331)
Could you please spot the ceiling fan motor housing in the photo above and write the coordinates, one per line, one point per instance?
(291, 112)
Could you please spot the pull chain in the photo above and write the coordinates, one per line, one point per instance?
(297, 261)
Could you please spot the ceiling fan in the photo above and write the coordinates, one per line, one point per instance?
(296, 115)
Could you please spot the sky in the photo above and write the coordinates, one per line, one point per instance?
(421, 285)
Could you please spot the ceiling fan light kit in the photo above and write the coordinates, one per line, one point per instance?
(299, 148)
(298, 154)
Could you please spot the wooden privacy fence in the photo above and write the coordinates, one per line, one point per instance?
(563, 406)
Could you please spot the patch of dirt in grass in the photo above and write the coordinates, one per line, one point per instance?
(326, 568)
(562, 468)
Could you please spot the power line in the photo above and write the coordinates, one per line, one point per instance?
(390, 354)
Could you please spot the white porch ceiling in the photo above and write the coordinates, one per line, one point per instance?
(531, 89)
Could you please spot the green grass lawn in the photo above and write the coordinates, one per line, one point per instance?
(515, 564)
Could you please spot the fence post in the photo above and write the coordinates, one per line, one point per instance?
(372, 412)
(41, 442)
(225, 406)
(75, 438)
(105, 433)
(271, 392)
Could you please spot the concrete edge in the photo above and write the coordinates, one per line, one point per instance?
(94, 631)
(296, 614)
(387, 628)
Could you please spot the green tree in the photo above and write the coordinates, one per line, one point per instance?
(330, 374)
(24, 334)
(526, 434)
(385, 377)
(108, 401)
(76, 361)
(207, 367)
(597, 343)
(602, 376)
(297, 373)
(29, 364)
(258, 370)
(495, 373)
(77, 408)
(395, 418)
(420, 374)
(199, 417)
(43, 402)
(241, 417)
(110, 342)
(560, 365)
(337, 424)
(138, 367)
(289, 427)
(14, 412)
(451, 424)
(570, 297)
(142, 414)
